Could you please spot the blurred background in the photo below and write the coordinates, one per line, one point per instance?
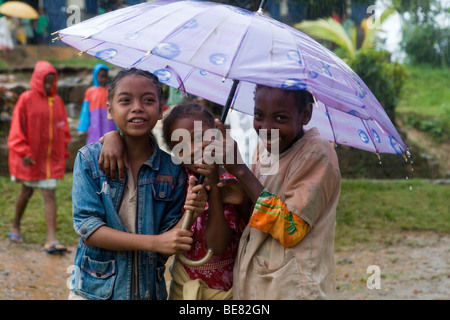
(390, 206)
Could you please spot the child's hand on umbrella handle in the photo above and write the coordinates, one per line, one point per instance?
(210, 172)
(199, 201)
(196, 198)
(226, 147)
(113, 156)
(232, 191)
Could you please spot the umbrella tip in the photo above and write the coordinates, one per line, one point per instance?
(57, 39)
(261, 6)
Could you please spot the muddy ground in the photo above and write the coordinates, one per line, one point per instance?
(416, 267)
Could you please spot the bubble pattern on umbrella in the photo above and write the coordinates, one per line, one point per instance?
(203, 47)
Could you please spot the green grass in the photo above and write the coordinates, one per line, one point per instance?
(425, 101)
(374, 211)
(33, 225)
(369, 212)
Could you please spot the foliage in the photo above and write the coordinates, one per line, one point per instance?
(384, 77)
(427, 109)
(420, 11)
(331, 30)
(427, 43)
(425, 39)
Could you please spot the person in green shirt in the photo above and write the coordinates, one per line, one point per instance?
(42, 27)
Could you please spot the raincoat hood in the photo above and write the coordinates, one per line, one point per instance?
(97, 68)
(41, 69)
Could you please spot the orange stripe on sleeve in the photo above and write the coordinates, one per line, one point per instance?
(271, 215)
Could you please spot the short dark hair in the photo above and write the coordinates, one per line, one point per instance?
(133, 71)
(186, 111)
(302, 97)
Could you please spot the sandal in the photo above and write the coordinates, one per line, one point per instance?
(55, 248)
(15, 238)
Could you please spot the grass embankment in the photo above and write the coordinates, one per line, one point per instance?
(369, 212)
(425, 101)
(372, 211)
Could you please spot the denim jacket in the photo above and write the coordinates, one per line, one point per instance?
(105, 274)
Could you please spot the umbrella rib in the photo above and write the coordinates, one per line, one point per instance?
(119, 21)
(194, 53)
(329, 120)
(209, 36)
(238, 48)
(371, 136)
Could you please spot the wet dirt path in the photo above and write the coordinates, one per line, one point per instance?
(416, 267)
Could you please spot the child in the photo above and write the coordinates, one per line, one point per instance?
(93, 116)
(37, 145)
(219, 226)
(286, 250)
(129, 228)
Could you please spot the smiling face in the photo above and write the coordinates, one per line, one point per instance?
(135, 106)
(277, 109)
(196, 129)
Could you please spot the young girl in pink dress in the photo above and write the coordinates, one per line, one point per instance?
(218, 228)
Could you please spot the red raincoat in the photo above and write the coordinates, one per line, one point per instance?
(39, 128)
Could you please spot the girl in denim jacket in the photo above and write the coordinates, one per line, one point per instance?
(128, 228)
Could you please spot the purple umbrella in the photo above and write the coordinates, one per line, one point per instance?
(220, 52)
(203, 48)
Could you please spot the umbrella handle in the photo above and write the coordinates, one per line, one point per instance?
(191, 263)
(189, 214)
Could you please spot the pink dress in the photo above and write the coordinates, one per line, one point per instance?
(218, 272)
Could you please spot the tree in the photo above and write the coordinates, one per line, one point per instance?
(331, 30)
(424, 39)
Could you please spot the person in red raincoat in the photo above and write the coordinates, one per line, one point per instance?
(37, 145)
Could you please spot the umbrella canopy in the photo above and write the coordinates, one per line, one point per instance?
(18, 9)
(204, 48)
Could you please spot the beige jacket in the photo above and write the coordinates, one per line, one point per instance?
(308, 181)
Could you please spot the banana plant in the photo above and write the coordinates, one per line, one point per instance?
(331, 30)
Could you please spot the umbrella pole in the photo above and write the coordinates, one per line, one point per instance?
(229, 101)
